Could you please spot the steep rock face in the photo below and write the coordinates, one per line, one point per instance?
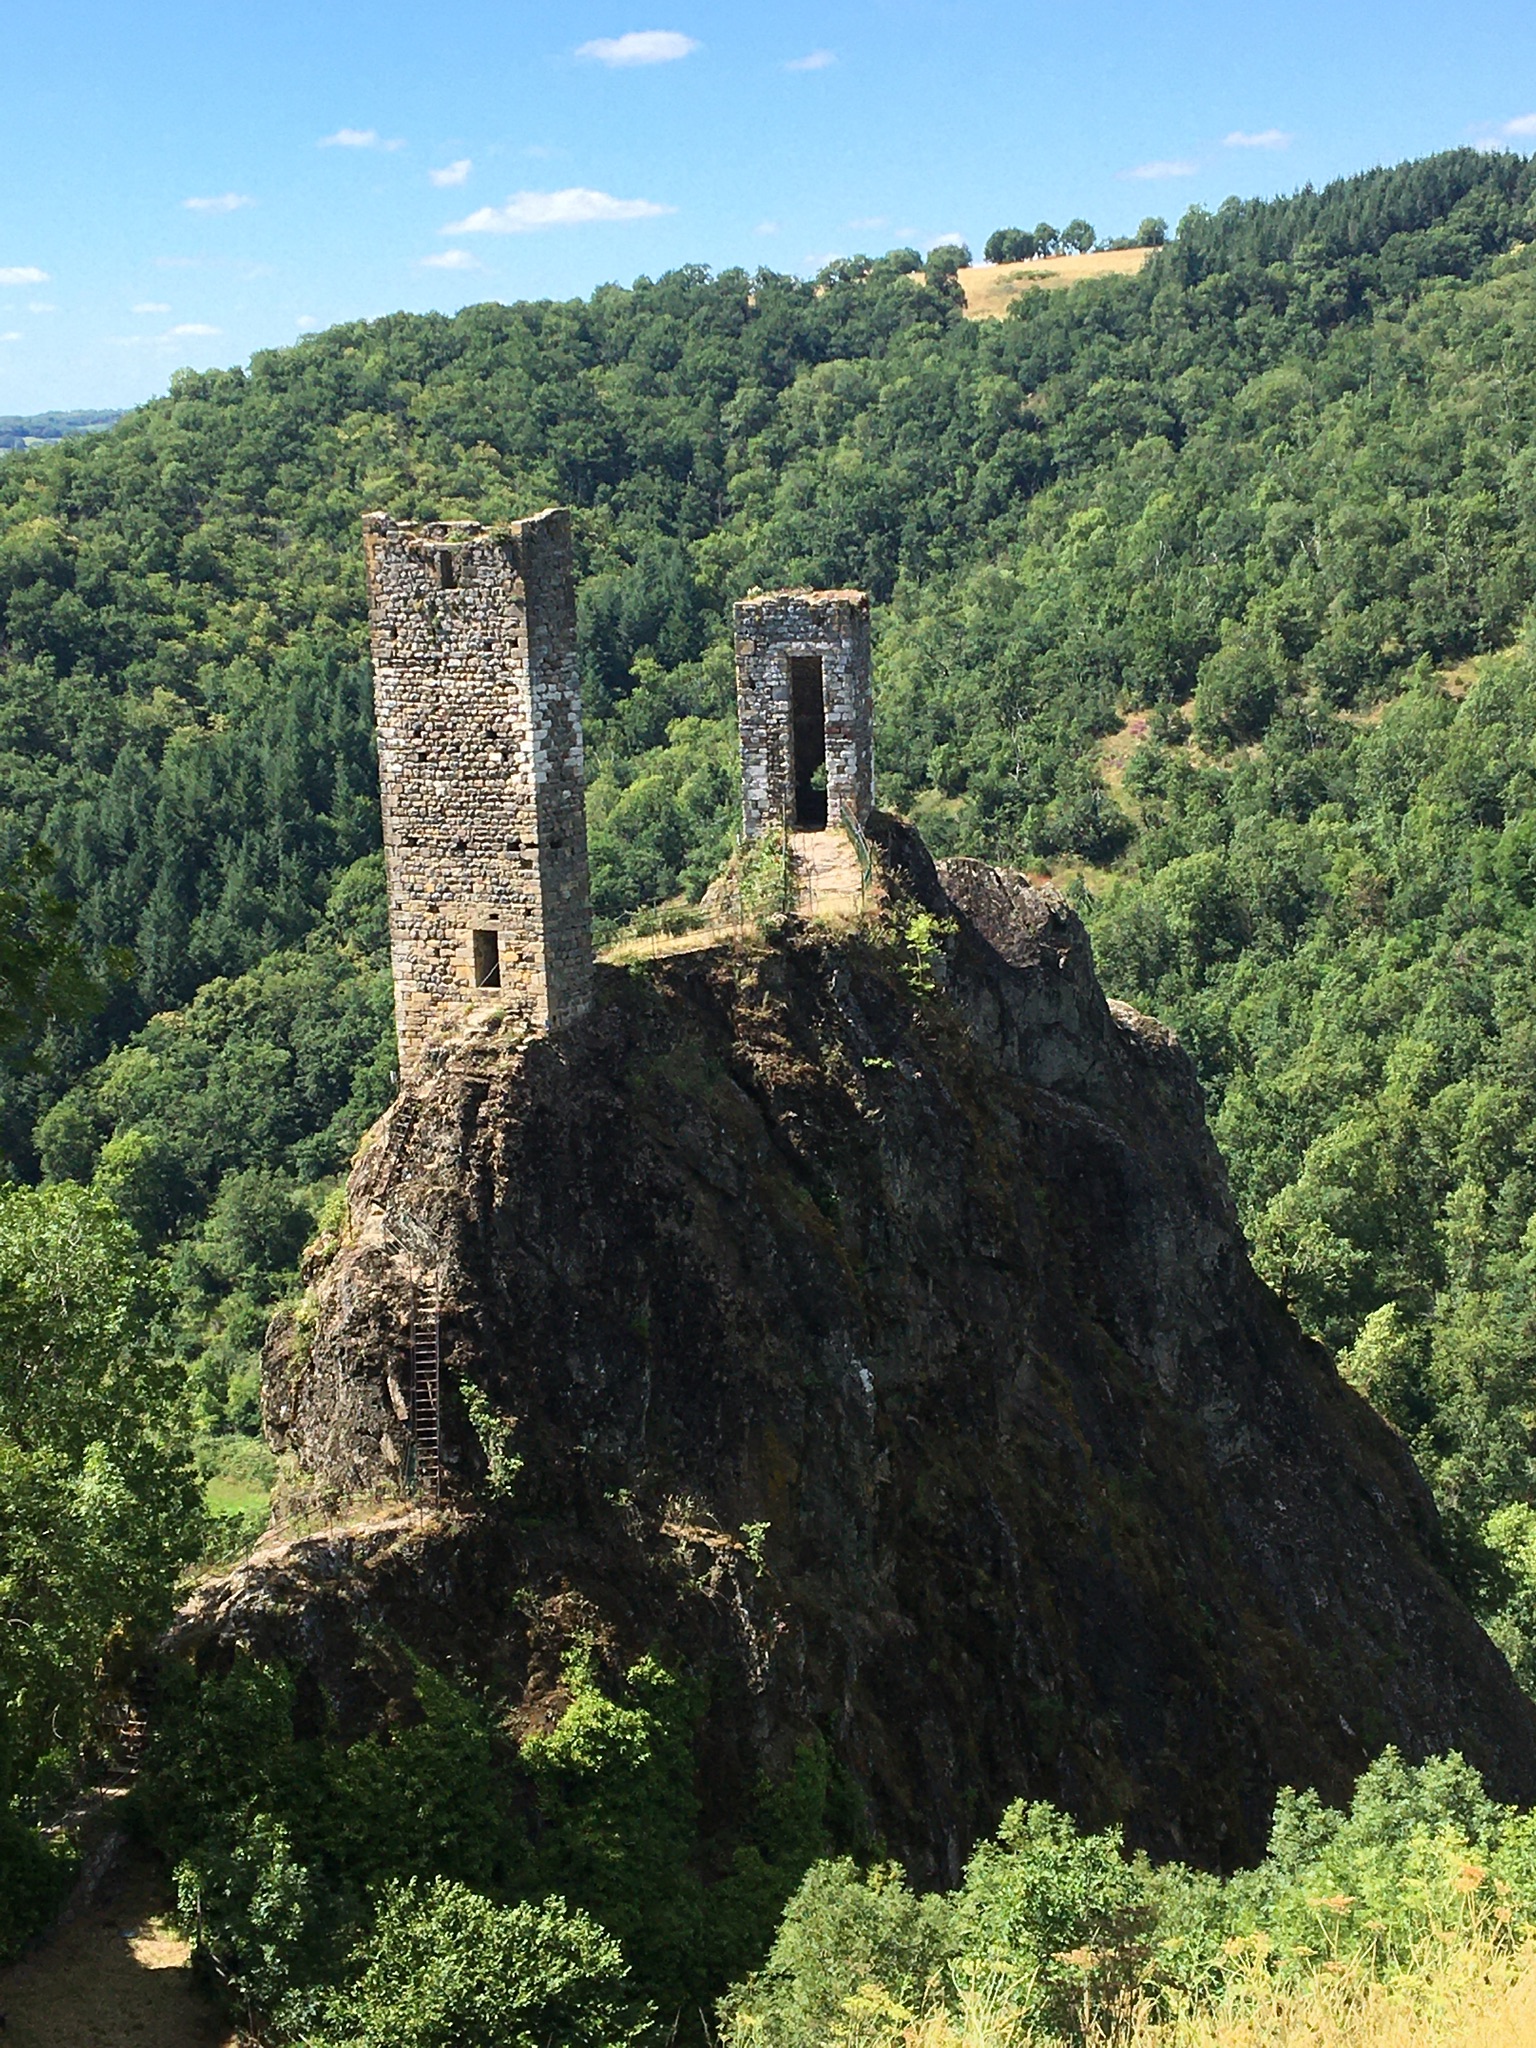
(917, 1251)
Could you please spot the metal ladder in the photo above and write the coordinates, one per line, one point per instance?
(427, 1390)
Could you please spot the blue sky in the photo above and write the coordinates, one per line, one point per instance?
(184, 184)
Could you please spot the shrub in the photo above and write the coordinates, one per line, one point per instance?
(445, 1968)
(843, 1929)
(1065, 1910)
(250, 1905)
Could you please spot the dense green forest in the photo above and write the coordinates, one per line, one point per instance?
(1204, 589)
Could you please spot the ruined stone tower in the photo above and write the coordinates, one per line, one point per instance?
(805, 709)
(477, 700)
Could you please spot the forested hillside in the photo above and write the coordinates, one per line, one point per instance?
(1274, 497)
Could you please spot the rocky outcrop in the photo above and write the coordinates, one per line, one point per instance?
(872, 1324)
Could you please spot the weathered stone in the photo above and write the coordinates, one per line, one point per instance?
(478, 705)
(803, 699)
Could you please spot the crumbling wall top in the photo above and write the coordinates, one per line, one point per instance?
(806, 594)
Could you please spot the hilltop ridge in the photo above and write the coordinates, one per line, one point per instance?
(37, 429)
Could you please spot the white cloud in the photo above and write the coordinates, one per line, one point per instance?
(871, 220)
(640, 46)
(306, 323)
(816, 60)
(1164, 167)
(1263, 138)
(22, 273)
(151, 306)
(767, 227)
(525, 212)
(1522, 124)
(451, 259)
(41, 306)
(222, 202)
(14, 335)
(453, 174)
(357, 138)
(189, 330)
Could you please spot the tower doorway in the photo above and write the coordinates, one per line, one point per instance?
(808, 720)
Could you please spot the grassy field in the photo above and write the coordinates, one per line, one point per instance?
(237, 1474)
(991, 288)
(237, 1496)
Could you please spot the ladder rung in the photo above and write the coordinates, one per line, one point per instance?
(424, 1349)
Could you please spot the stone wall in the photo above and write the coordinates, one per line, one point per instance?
(477, 701)
(773, 633)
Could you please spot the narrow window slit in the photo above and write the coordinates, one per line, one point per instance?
(487, 960)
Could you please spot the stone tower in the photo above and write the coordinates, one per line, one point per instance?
(477, 701)
(805, 709)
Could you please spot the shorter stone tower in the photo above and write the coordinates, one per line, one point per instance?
(805, 709)
(478, 706)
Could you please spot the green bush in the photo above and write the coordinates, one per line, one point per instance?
(445, 1968)
(252, 1910)
(844, 1928)
(1043, 1893)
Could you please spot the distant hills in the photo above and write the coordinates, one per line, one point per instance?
(29, 430)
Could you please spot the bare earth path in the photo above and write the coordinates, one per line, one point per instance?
(114, 1977)
(827, 878)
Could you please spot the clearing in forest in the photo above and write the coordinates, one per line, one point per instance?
(991, 288)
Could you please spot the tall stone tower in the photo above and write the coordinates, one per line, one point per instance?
(805, 709)
(477, 701)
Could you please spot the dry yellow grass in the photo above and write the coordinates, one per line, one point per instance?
(1113, 754)
(662, 945)
(1473, 2000)
(1465, 1993)
(991, 288)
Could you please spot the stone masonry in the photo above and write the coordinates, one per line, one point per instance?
(805, 709)
(477, 701)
